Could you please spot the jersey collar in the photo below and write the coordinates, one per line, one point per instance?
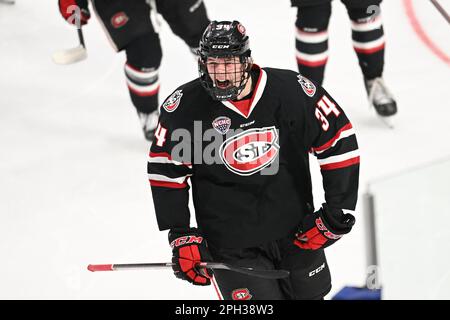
(257, 94)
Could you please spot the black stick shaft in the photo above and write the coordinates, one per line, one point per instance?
(266, 274)
(441, 10)
(80, 36)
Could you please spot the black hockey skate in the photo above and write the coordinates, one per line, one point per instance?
(381, 99)
(149, 121)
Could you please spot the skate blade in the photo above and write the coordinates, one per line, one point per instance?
(70, 56)
(388, 121)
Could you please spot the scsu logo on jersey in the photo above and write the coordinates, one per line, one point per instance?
(119, 20)
(241, 294)
(250, 151)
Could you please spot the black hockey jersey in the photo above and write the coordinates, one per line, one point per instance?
(249, 167)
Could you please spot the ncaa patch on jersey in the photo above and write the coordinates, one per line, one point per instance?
(307, 85)
(250, 151)
(222, 124)
(173, 101)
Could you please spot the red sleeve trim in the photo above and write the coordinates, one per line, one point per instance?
(330, 142)
(165, 155)
(172, 185)
(339, 165)
(160, 154)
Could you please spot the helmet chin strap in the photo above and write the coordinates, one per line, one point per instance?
(247, 81)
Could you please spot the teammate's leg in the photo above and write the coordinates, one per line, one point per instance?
(141, 69)
(312, 37)
(188, 19)
(367, 35)
(369, 44)
(122, 20)
(129, 28)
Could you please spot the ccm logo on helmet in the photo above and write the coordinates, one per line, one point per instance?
(220, 46)
(250, 151)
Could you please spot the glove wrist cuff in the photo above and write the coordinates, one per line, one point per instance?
(336, 220)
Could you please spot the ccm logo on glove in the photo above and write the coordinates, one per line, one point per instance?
(323, 228)
(327, 233)
(186, 240)
(189, 249)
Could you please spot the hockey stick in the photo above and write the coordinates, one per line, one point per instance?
(441, 10)
(265, 274)
(72, 55)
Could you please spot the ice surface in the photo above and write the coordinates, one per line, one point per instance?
(73, 184)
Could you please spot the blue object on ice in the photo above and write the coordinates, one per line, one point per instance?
(355, 293)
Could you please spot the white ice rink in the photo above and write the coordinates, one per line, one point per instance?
(73, 182)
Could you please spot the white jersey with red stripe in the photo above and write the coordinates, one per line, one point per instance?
(248, 162)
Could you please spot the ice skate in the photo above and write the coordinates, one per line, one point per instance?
(149, 121)
(382, 100)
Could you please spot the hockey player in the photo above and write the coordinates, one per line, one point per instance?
(252, 185)
(368, 42)
(129, 27)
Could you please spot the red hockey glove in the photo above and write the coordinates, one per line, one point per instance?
(323, 228)
(188, 249)
(70, 8)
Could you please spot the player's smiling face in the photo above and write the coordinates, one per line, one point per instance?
(225, 72)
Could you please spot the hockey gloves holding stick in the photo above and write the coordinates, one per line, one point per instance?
(323, 228)
(188, 249)
(71, 8)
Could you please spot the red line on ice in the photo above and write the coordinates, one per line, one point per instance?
(420, 32)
